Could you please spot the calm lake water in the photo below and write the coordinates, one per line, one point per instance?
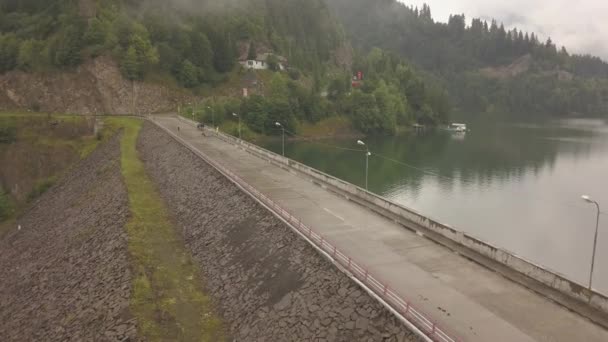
(516, 186)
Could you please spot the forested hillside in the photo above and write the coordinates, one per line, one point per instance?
(485, 66)
(480, 67)
(195, 41)
(198, 42)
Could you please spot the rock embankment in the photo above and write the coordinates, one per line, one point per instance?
(95, 87)
(66, 274)
(267, 282)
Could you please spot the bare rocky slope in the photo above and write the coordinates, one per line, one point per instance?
(267, 282)
(65, 276)
(95, 87)
(40, 152)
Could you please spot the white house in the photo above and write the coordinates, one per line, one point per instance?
(254, 64)
(261, 62)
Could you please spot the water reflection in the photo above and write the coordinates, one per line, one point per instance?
(514, 185)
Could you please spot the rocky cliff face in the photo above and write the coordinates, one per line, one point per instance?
(97, 86)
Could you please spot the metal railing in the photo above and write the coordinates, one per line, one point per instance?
(378, 287)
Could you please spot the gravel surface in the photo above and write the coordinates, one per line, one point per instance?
(65, 276)
(267, 282)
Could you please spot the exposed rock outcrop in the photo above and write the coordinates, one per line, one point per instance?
(96, 87)
(518, 67)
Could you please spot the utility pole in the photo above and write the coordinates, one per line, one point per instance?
(283, 129)
(367, 155)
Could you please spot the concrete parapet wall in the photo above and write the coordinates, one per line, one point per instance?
(420, 223)
(268, 282)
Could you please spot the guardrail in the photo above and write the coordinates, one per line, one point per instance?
(405, 308)
(550, 278)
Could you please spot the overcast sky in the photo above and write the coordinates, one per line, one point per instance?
(581, 26)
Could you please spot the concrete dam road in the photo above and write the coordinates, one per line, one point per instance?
(466, 299)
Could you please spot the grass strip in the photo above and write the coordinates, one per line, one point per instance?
(167, 298)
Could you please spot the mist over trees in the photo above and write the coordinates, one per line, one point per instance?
(195, 43)
(415, 70)
(552, 81)
(392, 93)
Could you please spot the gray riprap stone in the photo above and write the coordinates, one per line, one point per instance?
(234, 241)
(362, 323)
(67, 275)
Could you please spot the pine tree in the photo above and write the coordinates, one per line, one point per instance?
(26, 57)
(130, 65)
(189, 74)
(224, 51)
(252, 53)
(9, 50)
(202, 54)
(95, 33)
(68, 47)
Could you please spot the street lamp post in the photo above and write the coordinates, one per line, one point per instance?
(212, 115)
(597, 227)
(367, 155)
(283, 129)
(238, 116)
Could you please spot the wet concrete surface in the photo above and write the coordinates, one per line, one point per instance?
(267, 282)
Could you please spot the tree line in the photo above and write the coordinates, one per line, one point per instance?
(392, 94)
(195, 42)
(555, 81)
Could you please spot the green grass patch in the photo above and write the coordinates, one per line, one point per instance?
(6, 206)
(232, 128)
(167, 298)
(333, 126)
(41, 187)
(88, 145)
(8, 134)
(7, 212)
(34, 128)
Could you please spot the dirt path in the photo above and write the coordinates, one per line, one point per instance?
(269, 284)
(65, 276)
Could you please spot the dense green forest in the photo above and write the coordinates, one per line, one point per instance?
(197, 44)
(552, 81)
(392, 94)
(414, 69)
(195, 41)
